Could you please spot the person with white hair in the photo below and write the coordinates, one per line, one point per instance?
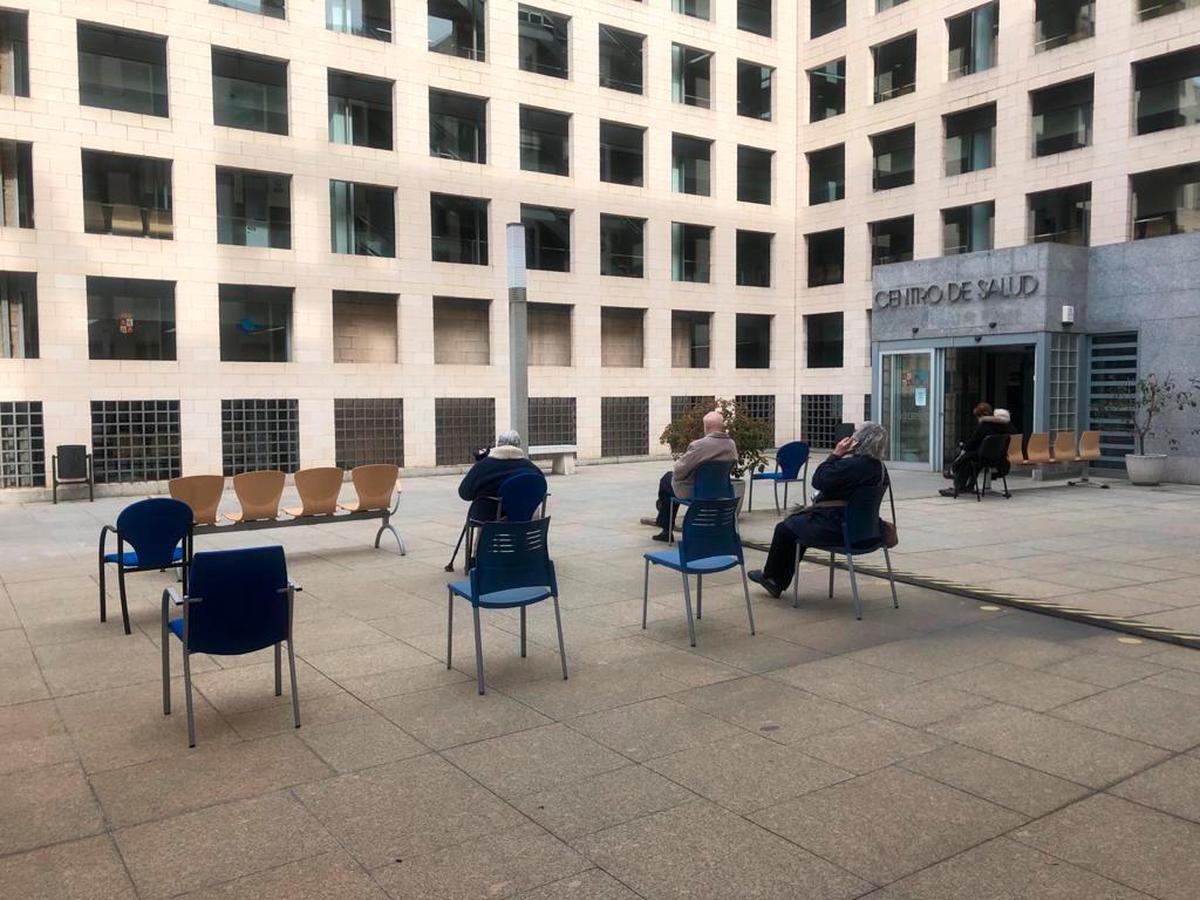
(966, 467)
(715, 446)
(856, 461)
(496, 464)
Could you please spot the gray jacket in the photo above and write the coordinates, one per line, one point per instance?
(715, 447)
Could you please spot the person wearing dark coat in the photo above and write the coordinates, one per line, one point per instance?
(855, 462)
(483, 479)
(964, 469)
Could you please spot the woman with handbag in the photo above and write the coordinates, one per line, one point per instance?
(855, 462)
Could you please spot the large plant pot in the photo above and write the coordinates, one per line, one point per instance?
(739, 491)
(1145, 469)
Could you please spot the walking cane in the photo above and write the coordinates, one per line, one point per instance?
(462, 534)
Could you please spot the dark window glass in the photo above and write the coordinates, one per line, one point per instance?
(545, 141)
(271, 8)
(754, 90)
(547, 238)
(360, 110)
(827, 91)
(1061, 215)
(368, 431)
(621, 64)
(691, 76)
(971, 140)
(892, 241)
(135, 440)
(968, 229)
(1062, 117)
(754, 258)
(826, 250)
(973, 38)
(260, 434)
(365, 18)
(18, 315)
(126, 195)
(256, 323)
(249, 92)
(362, 219)
(885, 5)
(1152, 9)
(461, 425)
(691, 339)
(125, 70)
(130, 318)
(825, 16)
(691, 159)
(691, 252)
(754, 175)
(1166, 201)
(1166, 91)
(827, 175)
(895, 68)
(542, 41)
(621, 153)
(754, 16)
(254, 208)
(697, 9)
(894, 151)
(16, 184)
(14, 53)
(1059, 22)
(457, 126)
(622, 245)
(823, 339)
(460, 229)
(753, 339)
(456, 28)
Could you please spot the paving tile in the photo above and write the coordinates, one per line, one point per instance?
(1056, 746)
(220, 843)
(359, 743)
(1140, 712)
(651, 728)
(335, 633)
(700, 850)
(929, 656)
(457, 714)
(394, 682)
(1180, 680)
(869, 745)
(32, 735)
(844, 679)
(88, 869)
(534, 760)
(500, 865)
(838, 636)
(100, 663)
(754, 652)
(1172, 786)
(252, 687)
(1104, 669)
(330, 876)
(594, 884)
(277, 719)
(46, 805)
(20, 679)
(1139, 847)
(888, 824)
(922, 704)
(1019, 686)
(351, 662)
(594, 688)
(405, 808)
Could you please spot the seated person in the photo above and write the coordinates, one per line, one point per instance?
(484, 478)
(715, 446)
(855, 462)
(964, 469)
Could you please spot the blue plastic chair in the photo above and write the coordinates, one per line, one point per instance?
(712, 482)
(860, 535)
(238, 601)
(518, 499)
(512, 569)
(709, 543)
(160, 532)
(790, 460)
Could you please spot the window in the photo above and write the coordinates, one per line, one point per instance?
(973, 37)
(362, 219)
(827, 91)
(125, 70)
(18, 315)
(254, 208)
(551, 421)
(260, 434)
(968, 229)
(885, 5)
(823, 340)
(461, 425)
(971, 140)
(256, 323)
(754, 258)
(368, 431)
(621, 64)
(758, 406)
(825, 16)
(753, 340)
(691, 76)
(365, 18)
(459, 229)
(892, 241)
(690, 161)
(826, 175)
(126, 195)
(547, 238)
(622, 245)
(825, 255)
(754, 175)
(22, 444)
(691, 338)
(691, 252)
(622, 337)
(754, 16)
(621, 153)
(624, 426)
(462, 331)
(456, 28)
(548, 326)
(135, 440)
(131, 318)
(697, 9)
(1166, 201)
(457, 126)
(1059, 22)
(754, 90)
(249, 92)
(895, 68)
(1152, 9)
(364, 327)
(272, 8)
(1062, 215)
(14, 53)
(16, 184)
(545, 141)
(360, 110)
(542, 41)
(1166, 91)
(894, 151)
(1062, 117)
(820, 415)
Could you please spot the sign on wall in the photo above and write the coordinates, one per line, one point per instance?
(1005, 287)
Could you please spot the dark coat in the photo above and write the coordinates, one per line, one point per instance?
(484, 478)
(834, 479)
(986, 427)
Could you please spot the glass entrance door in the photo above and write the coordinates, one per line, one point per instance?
(907, 405)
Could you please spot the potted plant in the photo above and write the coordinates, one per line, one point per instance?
(1152, 397)
(752, 437)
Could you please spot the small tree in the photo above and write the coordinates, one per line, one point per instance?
(751, 435)
(1154, 395)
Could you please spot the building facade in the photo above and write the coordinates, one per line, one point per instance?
(269, 233)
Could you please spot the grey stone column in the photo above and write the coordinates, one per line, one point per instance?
(518, 335)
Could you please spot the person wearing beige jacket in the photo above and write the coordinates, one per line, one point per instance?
(715, 446)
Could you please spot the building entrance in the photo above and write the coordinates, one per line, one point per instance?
(1002, 376)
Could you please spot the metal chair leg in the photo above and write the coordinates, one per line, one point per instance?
(887, 558)
(187, 691)
(295, 687)
(562, 647)
(796, 580)
(645, 594)
(786, 485)
(687, 605)
(449, 627)
(522, 632)
(854, 588)
(746, 591)
(124, 604)
(166, 659)
(103, 595)
(775, 485)
(478, 650)
(750, 492)
(699, 596)
(278, 669)
(832, 560)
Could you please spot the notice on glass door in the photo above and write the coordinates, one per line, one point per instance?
(921, 396)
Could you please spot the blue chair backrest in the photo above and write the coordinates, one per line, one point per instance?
(154, 528)
(710, 529)
(243, 600)
(791, 457)
(860, 525)
(712, 481)
(521, 495)
(513, 555)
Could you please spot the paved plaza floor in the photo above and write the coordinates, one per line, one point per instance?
(945, 749)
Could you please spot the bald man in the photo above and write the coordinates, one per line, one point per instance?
(715, 446)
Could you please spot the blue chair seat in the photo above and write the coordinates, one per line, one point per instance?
(521, 596)
(670, 559)
(176, 626)
(772, 476)
(130, 560)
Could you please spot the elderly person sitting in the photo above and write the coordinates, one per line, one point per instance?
(715, 446)
(855, 462)
(484, 478)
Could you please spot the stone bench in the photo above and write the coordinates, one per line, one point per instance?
(561, 456)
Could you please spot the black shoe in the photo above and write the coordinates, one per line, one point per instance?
(663, 536)
(767, 584)
(948, 492)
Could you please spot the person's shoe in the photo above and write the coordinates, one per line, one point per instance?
(948, 492)
(767, 584)
(661, 536)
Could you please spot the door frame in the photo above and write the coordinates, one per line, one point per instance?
(935, 363)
